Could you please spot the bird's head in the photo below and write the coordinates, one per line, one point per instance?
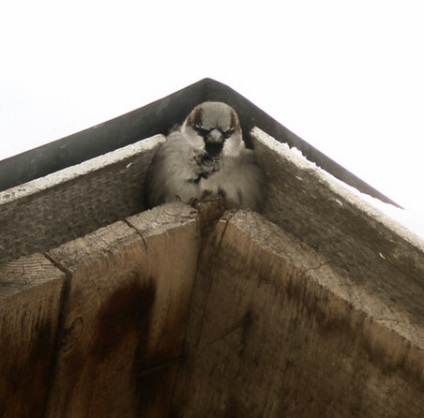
(214, 127)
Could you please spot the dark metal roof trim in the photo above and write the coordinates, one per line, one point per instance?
(155, 118)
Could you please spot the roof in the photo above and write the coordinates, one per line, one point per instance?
(313, 306)
(156, 118)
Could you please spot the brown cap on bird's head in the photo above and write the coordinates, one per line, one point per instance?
(214, 123)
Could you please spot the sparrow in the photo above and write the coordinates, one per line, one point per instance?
(206, 156)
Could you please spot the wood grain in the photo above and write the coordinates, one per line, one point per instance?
(47, 212)
(30, 296)
(125, 315)
(284, 333)
(376, 254)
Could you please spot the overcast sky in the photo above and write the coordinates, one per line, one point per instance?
(347, 77)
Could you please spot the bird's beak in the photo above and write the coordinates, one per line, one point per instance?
(214, 143)
(215, 137)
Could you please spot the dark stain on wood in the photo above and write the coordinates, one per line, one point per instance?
(23, 389)
(129, 311)
(156, 390)
(126, 311)
(29, 312)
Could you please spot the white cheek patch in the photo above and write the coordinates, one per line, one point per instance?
(233, 146)
(194, 139)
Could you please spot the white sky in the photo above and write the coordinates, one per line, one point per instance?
(348, 77)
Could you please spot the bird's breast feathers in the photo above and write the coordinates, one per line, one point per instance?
(206, 156)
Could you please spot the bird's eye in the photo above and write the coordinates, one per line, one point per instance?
(228, 133)
(201, 131)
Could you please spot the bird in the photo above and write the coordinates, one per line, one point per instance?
(206, 156)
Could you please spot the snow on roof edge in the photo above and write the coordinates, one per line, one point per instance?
(83, 168)
(400, 221)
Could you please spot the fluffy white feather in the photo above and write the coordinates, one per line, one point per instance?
(207, 155)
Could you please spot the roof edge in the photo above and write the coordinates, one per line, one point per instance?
(155, 118)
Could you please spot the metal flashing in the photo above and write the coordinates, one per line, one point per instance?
(156, 118)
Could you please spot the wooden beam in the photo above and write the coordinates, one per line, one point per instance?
(375, 252)
(276, 329)
(125, 315)
(62, 206)
(30, 296)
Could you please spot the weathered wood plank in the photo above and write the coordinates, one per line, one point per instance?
(87, 196)
(284, 332)
(154, 400)
(324, 214)
(172, 242)
(125, 314)
(30, 300)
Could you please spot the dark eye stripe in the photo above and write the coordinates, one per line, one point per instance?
(201, 131)
(205, 132)
(228, 133)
